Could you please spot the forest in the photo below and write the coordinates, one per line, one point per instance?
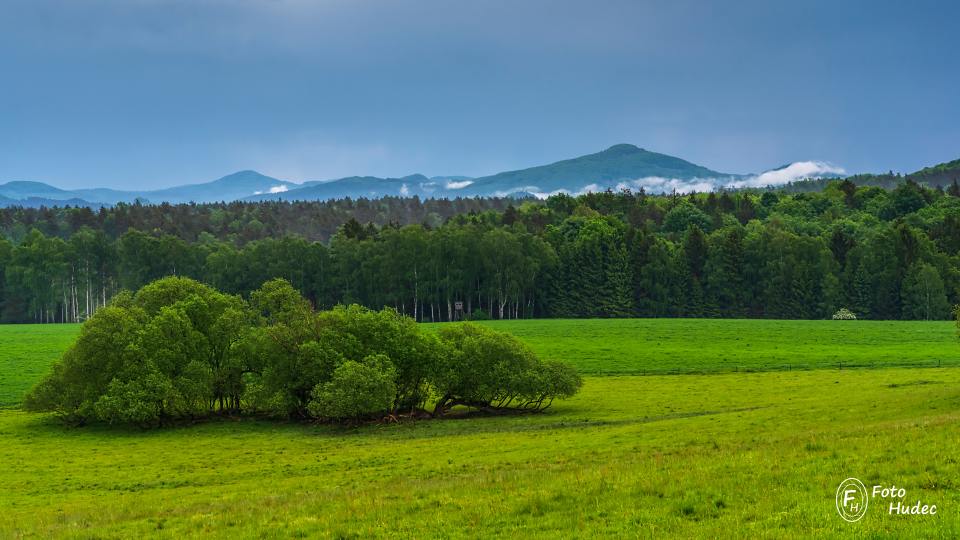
(880, 253)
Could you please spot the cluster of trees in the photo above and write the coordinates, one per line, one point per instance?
(239, 222)
(883, 254)
(178, 349)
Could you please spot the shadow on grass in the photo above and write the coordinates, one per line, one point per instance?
(49, 425)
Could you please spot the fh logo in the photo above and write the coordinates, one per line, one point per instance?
(852, 499)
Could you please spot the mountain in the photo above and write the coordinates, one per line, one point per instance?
(620, 166)
(943, 175)
(23, 190)
(229, 188)
(37, 194)
(359, 186)
(616, 165)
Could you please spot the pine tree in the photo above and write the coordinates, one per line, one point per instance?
(724, 273)
(861, 294)
(616, 290)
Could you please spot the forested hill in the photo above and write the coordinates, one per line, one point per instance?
(606, 169)
(944, 176)
(884, 254)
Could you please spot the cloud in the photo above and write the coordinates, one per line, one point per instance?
(524, 189)
(278, 189)
(459, 185)
(659, 184)
(404, 190)
(791, 173)
(589, 188)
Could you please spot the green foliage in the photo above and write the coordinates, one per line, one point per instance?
(479, 315)
(594, 275)
(490, 369)
(180, 349)
(165, 353)
(769, 254)
(683, 216)
(356, 389)
(924, 296)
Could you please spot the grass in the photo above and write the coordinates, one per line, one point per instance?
(26, 352)
(733, 454)
(637, 346)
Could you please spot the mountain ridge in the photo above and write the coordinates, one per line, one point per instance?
(617, 167)
(605, 169)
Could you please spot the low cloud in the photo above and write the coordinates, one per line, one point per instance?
(404, 190)
(794, 172)
(659, 184)
(791, 173)
(534, 190)
(278, 189)
(589, 188)
(459, 185)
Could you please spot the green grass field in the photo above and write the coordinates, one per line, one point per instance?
(631, 346)
(719, 455)
(624, 346)
(26, 352)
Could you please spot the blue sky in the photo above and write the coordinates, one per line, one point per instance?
(152, 93)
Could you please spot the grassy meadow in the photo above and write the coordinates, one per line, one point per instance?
(622, 346)
(716, 455)
(26, 352)
(636, 346)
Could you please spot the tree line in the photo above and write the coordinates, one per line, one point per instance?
(238, 222)
(178, 349)
(883, 254)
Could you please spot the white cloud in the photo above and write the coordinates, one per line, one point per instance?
(791, 173)
(659, 184)
(278, 189)
(459, 185)
(541, 195)
(527, 189)
(404, 190)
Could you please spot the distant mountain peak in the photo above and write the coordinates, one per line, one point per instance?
(27, 183)
(624, 148)
(247, 174)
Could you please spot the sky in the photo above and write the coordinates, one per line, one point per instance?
(140, 94)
